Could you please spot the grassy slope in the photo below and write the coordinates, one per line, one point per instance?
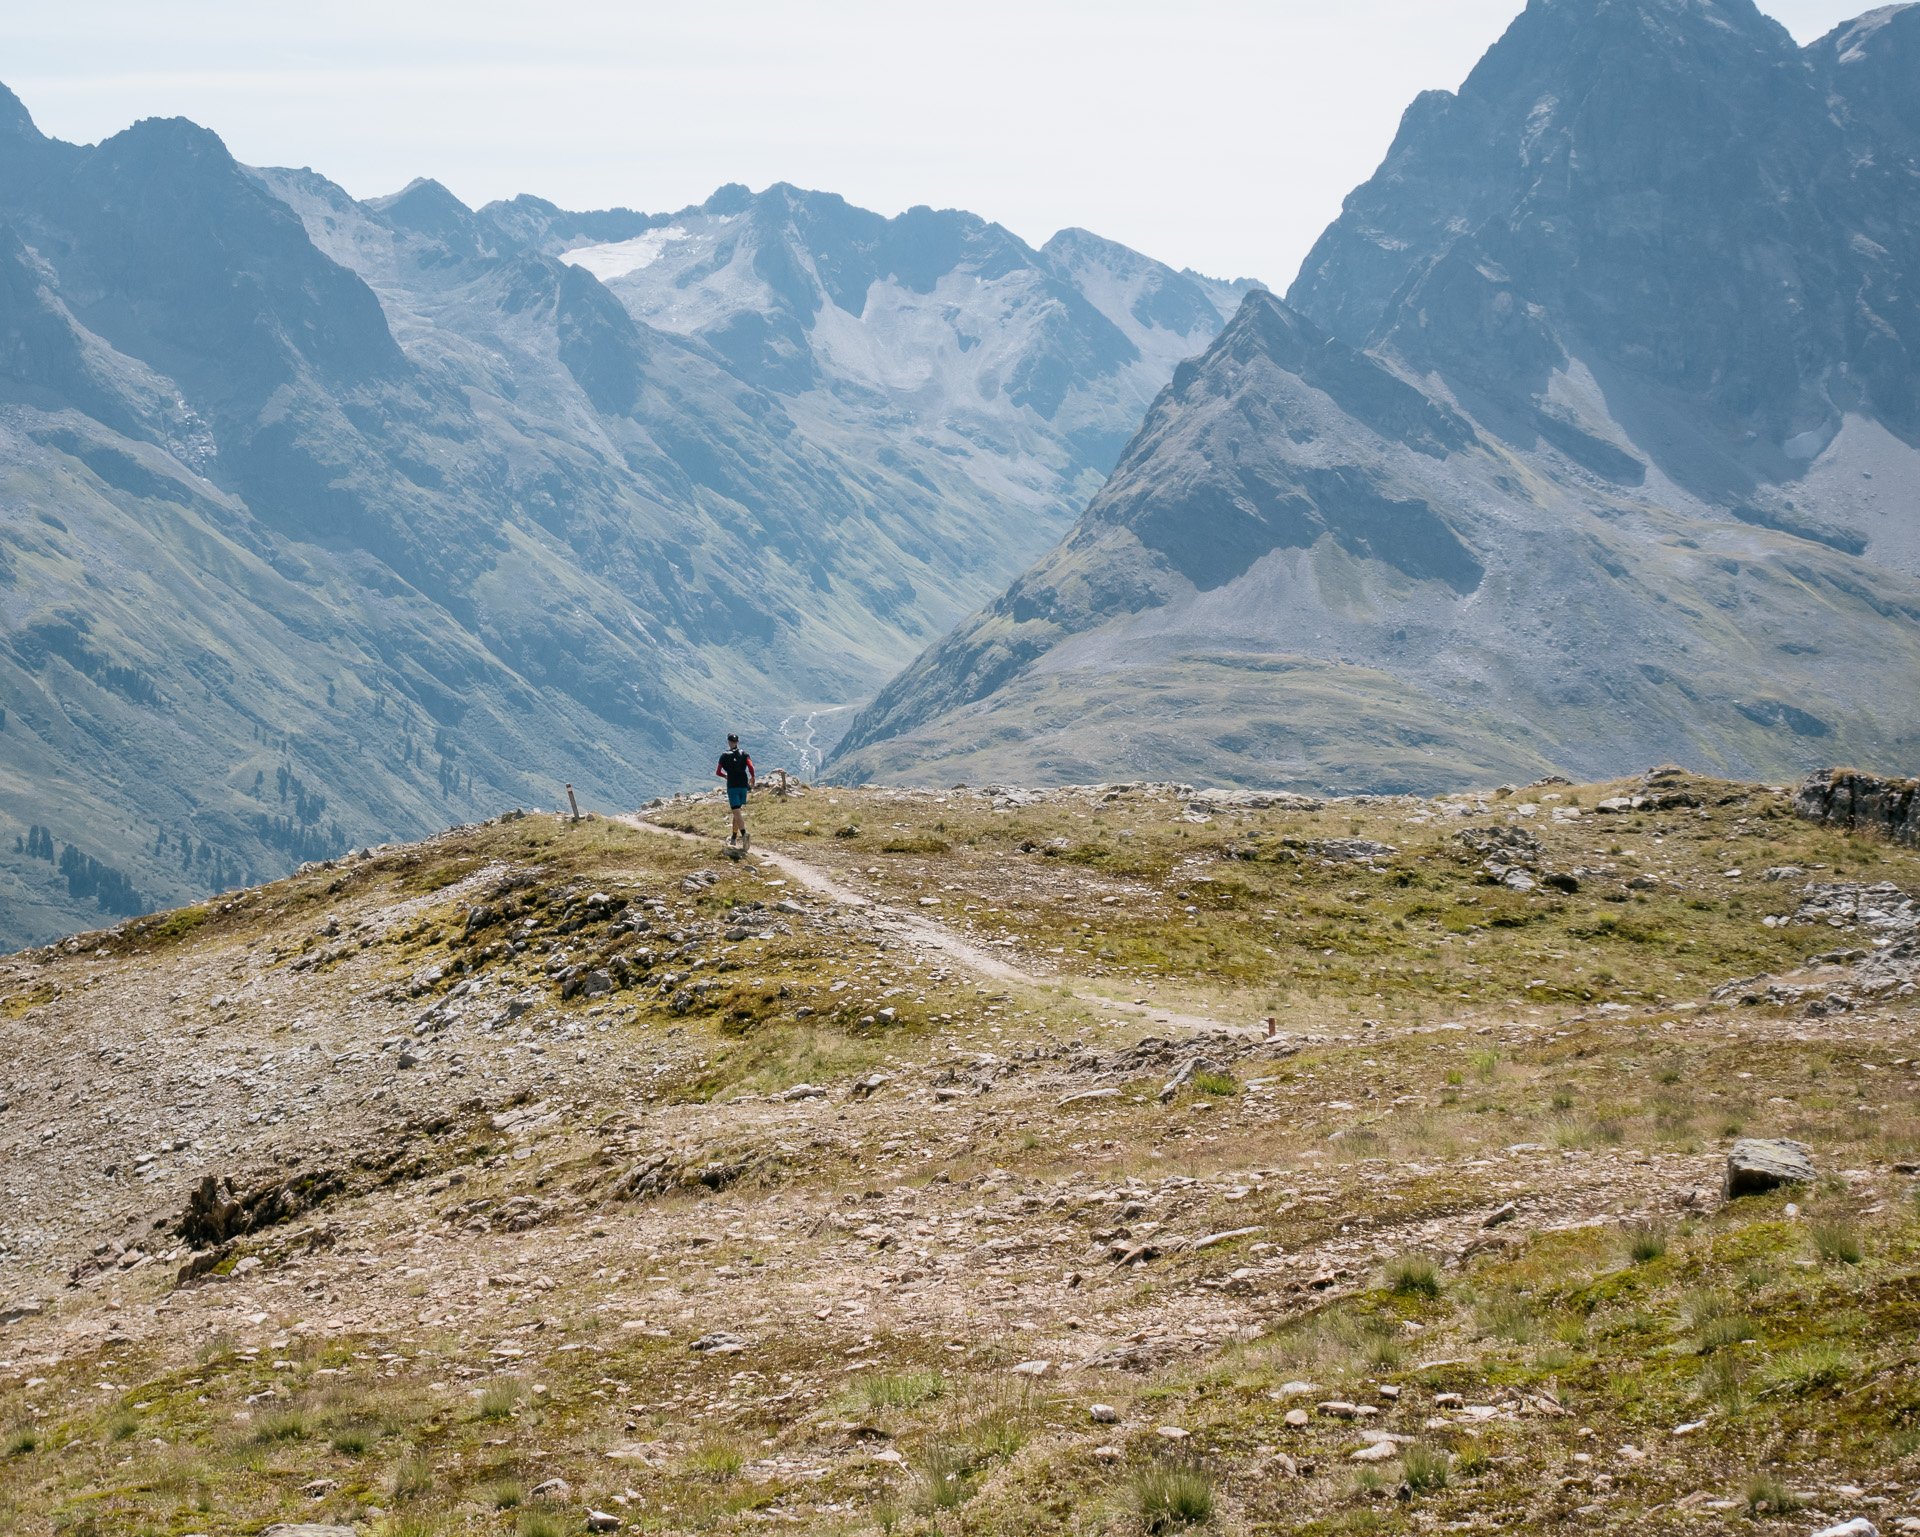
(886, 1261)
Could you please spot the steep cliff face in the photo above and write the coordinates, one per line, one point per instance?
(1585, 435)
(1670, 193)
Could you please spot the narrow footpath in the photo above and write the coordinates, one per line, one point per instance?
(925, 933)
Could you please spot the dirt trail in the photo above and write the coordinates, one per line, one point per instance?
(927, 934)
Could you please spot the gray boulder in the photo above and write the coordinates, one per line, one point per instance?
(1758, 1164)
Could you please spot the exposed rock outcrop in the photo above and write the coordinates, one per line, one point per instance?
(1853, 800)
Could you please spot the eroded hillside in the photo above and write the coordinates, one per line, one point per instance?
(933, 1170)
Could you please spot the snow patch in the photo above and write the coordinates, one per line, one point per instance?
(1806, 445)
(616, 258)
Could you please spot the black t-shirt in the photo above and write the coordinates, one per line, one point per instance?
(737, 766)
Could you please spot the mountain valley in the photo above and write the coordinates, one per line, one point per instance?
(329, 522)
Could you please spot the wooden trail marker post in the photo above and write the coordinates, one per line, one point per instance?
(573, 804)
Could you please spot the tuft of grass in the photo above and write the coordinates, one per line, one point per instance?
(502, 1494)
(943, 1471)
(903, 1390)
(1486, 1065)
(1647, 1242)
(717, 1461)
(1715, 1334)
(1369, 1483)
(1837, 1240)
(283, 1425)
(412, 1478)
(1809, 1367)
(498, 1400)
(356, 1440)
(1472, 1460)
(541, 1523)
(122, 1427)
(1426, 1468)
(1170, 1499)
(1509, 1317)
(1413, 1275)
(1723, 1381)
(23, 1441)
(1219, 1085)
(1767, 1496)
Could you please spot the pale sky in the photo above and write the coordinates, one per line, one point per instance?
(1218, 134)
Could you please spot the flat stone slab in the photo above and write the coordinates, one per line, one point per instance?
(20, 1309)
(307, 1529)
(1757, 1165)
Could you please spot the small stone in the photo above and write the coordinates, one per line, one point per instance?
(553, 1489)
(1285, 1466)
(1500, 1216)
(1032, 1368)
(21, 1309)
(1859, 1526)
(1106, 1453)
(601, 1521)
(1380, 1451)
(1298, 1419)
(319, 1488)
(1104, 1414)
(1172, 1433)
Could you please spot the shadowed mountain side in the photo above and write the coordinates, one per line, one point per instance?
(1286, 565)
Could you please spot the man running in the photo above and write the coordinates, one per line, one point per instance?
(737, 769)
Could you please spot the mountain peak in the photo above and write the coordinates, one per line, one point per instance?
(425, 207)
(16, 122)
(734, 197)
(1867, 37)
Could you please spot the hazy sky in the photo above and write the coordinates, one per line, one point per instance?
(1220, 134)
